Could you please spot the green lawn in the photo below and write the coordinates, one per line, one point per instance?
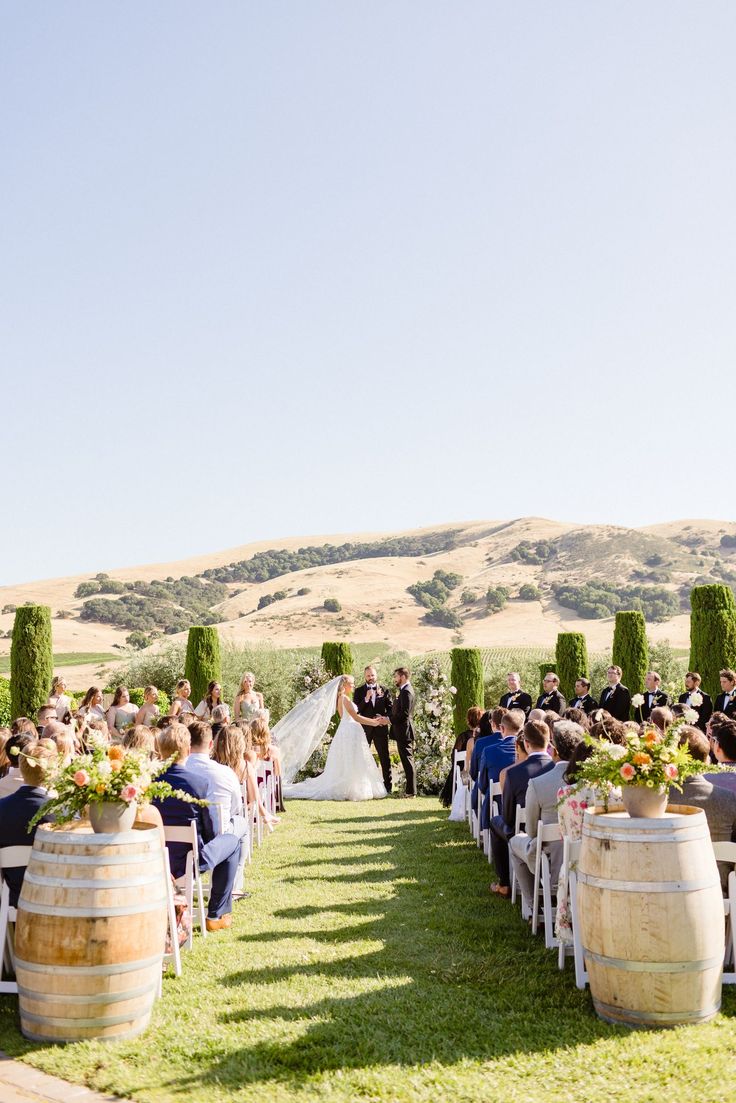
(68, 658)
(372, 964)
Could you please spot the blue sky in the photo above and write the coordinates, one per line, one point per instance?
(299, 267)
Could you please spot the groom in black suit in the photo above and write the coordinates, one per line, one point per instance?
(372, 700)
(402, 729)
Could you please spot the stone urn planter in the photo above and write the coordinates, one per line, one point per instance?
(643, 803)
(111, 817)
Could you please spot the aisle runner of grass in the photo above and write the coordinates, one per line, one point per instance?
(372, 964)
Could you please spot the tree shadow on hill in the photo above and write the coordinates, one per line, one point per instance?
(455, 975)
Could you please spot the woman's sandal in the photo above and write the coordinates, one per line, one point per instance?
(501, 890)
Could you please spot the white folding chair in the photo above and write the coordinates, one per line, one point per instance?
(495, 808)
(520, 821)
(267, 785)
(726, 852)
(11, 857)
(192, 879)
(546, 833)
(459, 760)
(581, 975)
(173, 958)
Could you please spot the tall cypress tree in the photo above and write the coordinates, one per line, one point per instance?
(467, 677)
(31, 660)
(338, 658)
(203, 663)
(712, 633)
(630, 649)
(572, 661)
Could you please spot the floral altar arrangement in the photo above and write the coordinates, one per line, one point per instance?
(434, 726)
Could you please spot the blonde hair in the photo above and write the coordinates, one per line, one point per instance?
(248, 674)
(150, 689)
(58, 682)
(140, 738)
(229, 749)
(174, 740)
(183, 682)
(35, 760)
(260, 734)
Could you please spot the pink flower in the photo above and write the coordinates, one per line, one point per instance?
(627, 771)
(81, 778)
(129, 793)
(671, 772)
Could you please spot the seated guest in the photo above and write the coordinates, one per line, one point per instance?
(703, 791)
(520, 755)
(18, 809)
(495, 757)
(218, 853)
(609, 730)
(616, 698)
(583, 698)
(140, 738)
(224, 790)
(515, 698)
(234, 748)
(220, 718)
(541, 804)
(654, 697)
(478, 745)
(726, 699)
(44, 716)
(550, 699)
(577, 716)
(503, 827)
(692, 687)
(464, 742)
(662, 718)
(723, 740)
(14, 748)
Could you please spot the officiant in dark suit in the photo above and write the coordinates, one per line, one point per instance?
(616, 698)
(372, 700)
(516, 698)
(402, 729)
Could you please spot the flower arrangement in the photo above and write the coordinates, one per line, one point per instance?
(433, 721)
(648, 759)
(105, 774)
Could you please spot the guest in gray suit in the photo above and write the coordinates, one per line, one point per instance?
(718, 802)
(541, 804)
(723, 739)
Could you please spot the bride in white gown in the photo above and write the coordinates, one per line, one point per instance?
(350, 771)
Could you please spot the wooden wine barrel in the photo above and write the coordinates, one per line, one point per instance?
(90, 934)
(651, 916)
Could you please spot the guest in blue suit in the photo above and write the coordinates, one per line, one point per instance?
(536, 741)
(494, 758)
(218, 853)
(18, 809)
(480, 745)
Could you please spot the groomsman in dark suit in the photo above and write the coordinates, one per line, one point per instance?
(726, 699)
(402, 729)
(515, 698)
(616, 698)
(583, 698)
(550, 699)
(653, 696)
(692, 689)
(371, 700)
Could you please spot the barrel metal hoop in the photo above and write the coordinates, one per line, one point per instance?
(152, 858)
(48, 1020)
(108, 885)
(147, 839)
(87, 970)
(139, 1027)
(695, 836)
(90, 913)
(654, 966)
(646, 886)
(615, 1014)
(99, 997)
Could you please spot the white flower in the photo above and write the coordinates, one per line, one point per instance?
(691, 716)
(104, 769)
(614, 750)
(696, 699)
(453, 689)
(637, 700)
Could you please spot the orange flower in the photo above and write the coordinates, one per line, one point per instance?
(651, 738)
(115, 753)
(641, 759)
(116, 765)
(100, 789)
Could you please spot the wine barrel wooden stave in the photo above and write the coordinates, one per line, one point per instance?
(652, 918)
(90, 933)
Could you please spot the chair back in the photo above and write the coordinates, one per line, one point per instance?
(520, 819)
(724, 852)
(186, 835)
(13, 857)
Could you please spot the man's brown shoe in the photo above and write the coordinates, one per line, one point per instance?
(221, 924)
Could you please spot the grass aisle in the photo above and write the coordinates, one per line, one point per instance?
(372, 964)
